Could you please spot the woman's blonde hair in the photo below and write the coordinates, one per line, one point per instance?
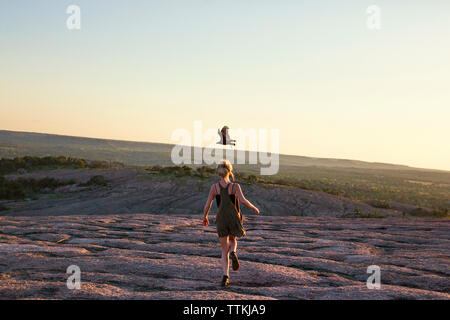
(225, 168)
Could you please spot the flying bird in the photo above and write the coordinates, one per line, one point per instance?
(225, 137)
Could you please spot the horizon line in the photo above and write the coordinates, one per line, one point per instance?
(171, 144)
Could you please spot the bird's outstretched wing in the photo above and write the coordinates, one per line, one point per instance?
(221, 137)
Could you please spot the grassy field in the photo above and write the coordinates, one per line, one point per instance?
(418, 188)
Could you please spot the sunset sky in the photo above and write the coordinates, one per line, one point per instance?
(138, 70)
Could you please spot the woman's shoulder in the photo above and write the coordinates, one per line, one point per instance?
(235, 186)
(215, 188)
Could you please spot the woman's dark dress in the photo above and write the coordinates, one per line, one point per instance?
(229, 220)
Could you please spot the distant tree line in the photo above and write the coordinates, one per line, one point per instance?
(29, 163)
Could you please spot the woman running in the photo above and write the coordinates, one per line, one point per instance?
(229, 220)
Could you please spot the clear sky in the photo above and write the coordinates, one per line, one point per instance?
(138, 70)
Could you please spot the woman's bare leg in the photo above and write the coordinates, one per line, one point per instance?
(233, 244)
(225, 257)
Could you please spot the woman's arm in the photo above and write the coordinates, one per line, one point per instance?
(208, 204)
(243, 200)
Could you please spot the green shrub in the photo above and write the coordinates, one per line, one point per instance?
(419, 212)
(374, 214)
(424, 213)
(97, 180)
(155, 169)
(252, 178)
(205, 171)
(441, 213)
(240, 175)
(187, 170)
(358, 214)
(19, 188)
(11, 190)
(380, 204)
